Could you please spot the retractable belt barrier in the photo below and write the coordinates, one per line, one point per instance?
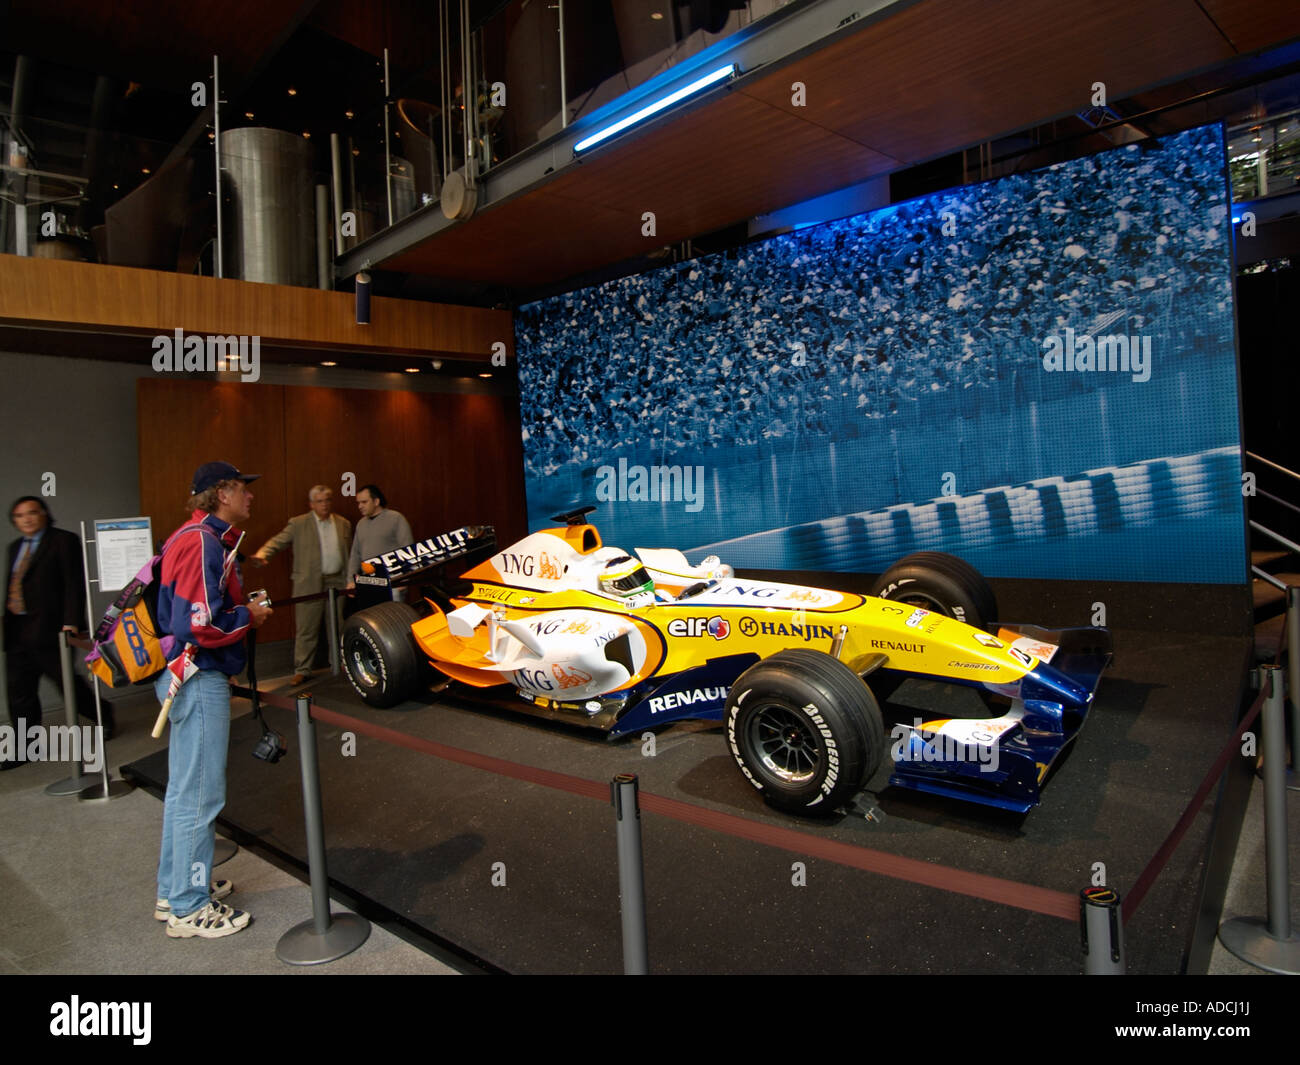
(978, 885)
(1158, 861)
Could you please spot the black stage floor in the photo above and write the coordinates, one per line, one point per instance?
(431, 839)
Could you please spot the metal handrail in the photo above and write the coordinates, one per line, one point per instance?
(1268, 577)
(1276, 536)
(1267, 462)
(1276, 499)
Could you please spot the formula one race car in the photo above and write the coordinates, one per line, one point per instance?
(561, 626)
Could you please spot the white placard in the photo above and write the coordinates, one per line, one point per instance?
(122, 546)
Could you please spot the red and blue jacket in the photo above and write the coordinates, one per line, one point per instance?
(193, 606)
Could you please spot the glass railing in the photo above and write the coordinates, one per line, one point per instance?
(67, 192)
(1264, 157)
(533, 68)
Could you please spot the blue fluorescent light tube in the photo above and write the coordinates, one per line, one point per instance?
(654, 108)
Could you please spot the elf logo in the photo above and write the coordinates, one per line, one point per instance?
(717, 627)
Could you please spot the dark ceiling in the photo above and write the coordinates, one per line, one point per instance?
(904, 95)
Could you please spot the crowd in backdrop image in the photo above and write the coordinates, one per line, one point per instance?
(849, 366)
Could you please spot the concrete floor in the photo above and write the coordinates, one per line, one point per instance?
(1247, 890)
(78, 879)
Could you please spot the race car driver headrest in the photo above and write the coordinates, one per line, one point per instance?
(625, 577)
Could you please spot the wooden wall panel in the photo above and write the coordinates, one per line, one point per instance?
(183, 424)
(148, 302)
(442, 459)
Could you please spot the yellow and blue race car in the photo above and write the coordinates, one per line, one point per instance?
(562, 626)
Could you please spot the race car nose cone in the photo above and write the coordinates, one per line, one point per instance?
(1048, 683)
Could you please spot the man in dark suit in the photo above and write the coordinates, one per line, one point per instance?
(46, 593)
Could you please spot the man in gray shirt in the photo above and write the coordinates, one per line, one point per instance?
(379, 530)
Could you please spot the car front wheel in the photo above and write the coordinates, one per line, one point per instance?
(805, 730)
(943, 583)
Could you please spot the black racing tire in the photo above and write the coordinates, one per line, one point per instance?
(805, 730)
(380, 655)
(943, 583)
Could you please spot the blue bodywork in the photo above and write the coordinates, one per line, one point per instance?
(1052, 703)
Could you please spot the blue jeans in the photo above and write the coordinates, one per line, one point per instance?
(196, 787)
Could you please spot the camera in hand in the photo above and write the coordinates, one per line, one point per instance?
(259, 598)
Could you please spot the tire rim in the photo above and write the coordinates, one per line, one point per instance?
(365, 664)
(925, 602)
(786, 744)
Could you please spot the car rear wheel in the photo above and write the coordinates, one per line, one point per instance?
(380, 655)
(943, 583)
(805, 730)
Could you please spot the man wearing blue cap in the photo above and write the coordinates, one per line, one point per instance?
(201, 606)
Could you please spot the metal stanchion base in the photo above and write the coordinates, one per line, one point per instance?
(68, 786)
(223, 851)
(95, 793)
(303, 945)
(1249, 939)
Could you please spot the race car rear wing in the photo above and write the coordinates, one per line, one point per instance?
(405, 564)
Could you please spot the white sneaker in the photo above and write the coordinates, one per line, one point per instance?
(162, 909)
(213, 921)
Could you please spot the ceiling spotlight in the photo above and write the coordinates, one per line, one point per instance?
(485, 375)
(348, 114)
(437, 364)
(248, 114)
(356, 151)
(212, 136)
(328, 363)
(306, 134)
(412, 369)
(293, 91)
(144, 170)
(656, 15)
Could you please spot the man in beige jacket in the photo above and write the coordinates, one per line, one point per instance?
(320, 542)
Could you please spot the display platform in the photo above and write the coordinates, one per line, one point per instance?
(523, 876)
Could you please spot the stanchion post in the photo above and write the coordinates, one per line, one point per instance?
(332, 627)
(76, 783)
(325, 937)
(1293, 673)
(1270, 944)
(1276, 858)
(314, 816)
(1101, 924)
(631, 873)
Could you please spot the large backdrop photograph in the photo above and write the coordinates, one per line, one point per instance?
(1037, 373)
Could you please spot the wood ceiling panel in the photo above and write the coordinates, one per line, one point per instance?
(918, 84)
(937, 77)
(709, 159)
(527, 241)
(704, 176)
(1254, 25)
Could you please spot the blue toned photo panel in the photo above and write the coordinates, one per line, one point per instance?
(1037, 373)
